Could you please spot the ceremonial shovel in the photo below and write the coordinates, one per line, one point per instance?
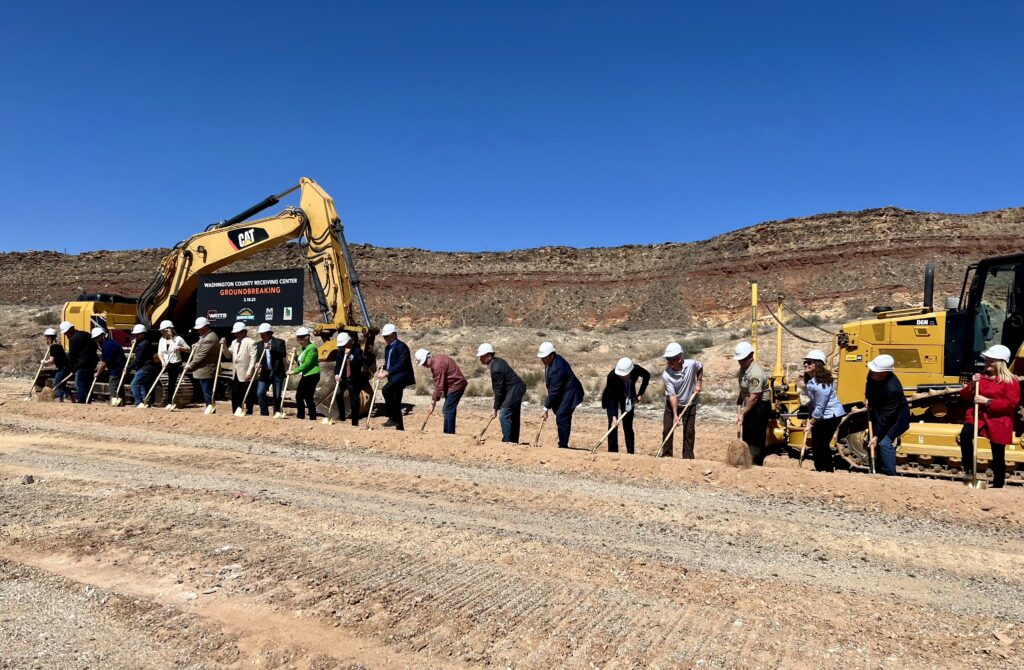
(536, 440)
(674, 424)
(171, 407)
(35, 379)
(976, 483)
(615, 424)
(212, 407)
(149, 394)
(116, 401)
(373, 401)
(480, 437)
(248, 389)
(334, 396)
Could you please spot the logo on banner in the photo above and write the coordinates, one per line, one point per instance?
(246, 314)
(287, 314)
(269, 316)
(246, 237)
(214, 315)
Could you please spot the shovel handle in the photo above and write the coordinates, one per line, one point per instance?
(177, 387)
(615, 424)
(536, 440)
(480, 437)
(661, 451)
(36, 378)
(426, 418)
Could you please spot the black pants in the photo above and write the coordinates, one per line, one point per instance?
(627, 430)
(821, 439)
(393, 404)
(239, 397)
(305, 396)
(998, 456)
(687, 429)
(353, 402)
(755, 431)
(173, 375)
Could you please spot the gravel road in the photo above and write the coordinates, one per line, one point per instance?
(154, 540)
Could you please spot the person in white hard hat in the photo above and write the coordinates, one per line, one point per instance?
(171, 351)
(888, 411)
(995, 395)
(242, 353)
(58, 358)
(308, 368)
(825, 410)
(397, 370)
(449, 383)
(83, 355)
(565, 392)
(205, 359)
(272, 352)
(145, 365)
(682, 377)
(754, 409)
(619, 398)
(112, 360)
(509, 390)
(348, 368)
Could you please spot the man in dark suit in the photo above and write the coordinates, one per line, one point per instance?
(270, 354)
(84, 357)
(398, 372)
(565, 392)
(349, 372)
(509, 390)
(620, 397)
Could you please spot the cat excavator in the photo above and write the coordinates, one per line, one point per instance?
(936, 352)
(172, 293)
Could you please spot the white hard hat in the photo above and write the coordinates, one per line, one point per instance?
(623, 367)
(51, 332)
(201, 322)
(546, 349)
(816, 355)
(65, 326)
(673, 349)
(743, 349)
(302, 331)
(388, 329)
(166, 323)
(265, 328)
(238, 327)
(883, 363)
(997, 352)
(96, 332)
(343, 339)
(484, 349)
(421, 356)
(138, 329)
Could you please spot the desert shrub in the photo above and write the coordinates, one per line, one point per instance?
(47, 318)
(694, 345)
(479, 388)
(587, 347)
(422, 386)
(532, 377)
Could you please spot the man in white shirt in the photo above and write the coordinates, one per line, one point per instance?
(682, 379)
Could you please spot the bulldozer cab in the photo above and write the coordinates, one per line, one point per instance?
(991, 312)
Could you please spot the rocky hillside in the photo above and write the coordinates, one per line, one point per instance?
(834, 264)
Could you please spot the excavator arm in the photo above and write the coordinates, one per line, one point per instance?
(315, 222)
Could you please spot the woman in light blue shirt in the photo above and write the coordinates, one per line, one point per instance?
(825, 409)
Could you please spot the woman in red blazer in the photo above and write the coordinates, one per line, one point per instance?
(996, 395)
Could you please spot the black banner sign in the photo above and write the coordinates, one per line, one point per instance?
(273, 296)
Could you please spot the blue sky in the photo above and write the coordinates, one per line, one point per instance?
(485, 125)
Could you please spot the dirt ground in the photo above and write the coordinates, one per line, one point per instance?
(149, 539)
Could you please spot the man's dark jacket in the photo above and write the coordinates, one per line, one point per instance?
(564, 389)
(278, 352)
(508, 387)
(399, 365)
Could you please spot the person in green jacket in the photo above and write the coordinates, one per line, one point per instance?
(309, 368)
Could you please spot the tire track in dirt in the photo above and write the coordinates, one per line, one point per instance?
(528, 580)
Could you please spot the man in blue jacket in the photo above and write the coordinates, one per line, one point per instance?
(398, 372)
(564, 391)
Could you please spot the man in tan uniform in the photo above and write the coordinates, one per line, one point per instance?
(242, 352)
(755, 411)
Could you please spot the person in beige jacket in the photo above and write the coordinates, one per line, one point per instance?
(205, 358)
(242, 352)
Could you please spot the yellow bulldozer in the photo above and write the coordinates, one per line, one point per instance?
(172, 294)
(936, 353)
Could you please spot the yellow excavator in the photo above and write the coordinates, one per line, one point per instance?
(936, 351)
(172, 293)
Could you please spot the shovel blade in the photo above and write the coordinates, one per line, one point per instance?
(210, 409)
(239, 412)
(327, 421)
(977, 484)
(116, 402)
